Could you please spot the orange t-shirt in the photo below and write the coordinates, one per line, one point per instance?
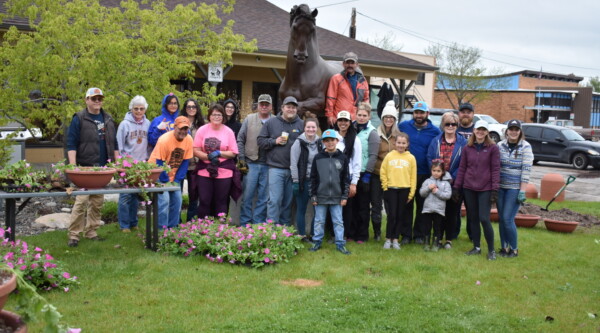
(172, 152)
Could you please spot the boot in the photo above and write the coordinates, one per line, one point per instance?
(435, 245)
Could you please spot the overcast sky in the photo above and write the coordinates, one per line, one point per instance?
(555, 35)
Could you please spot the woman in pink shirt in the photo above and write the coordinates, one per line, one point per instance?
(216, 148)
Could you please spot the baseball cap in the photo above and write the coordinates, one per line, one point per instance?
(93, 92)
(482, 124)
(350, 56)
(265, 98)
(332, 134)
(421, 106)
(344, 115)
(181, 122)
(290, 100)
(513, 123)
(467, 106)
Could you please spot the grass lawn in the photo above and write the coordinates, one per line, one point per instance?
(125, 288)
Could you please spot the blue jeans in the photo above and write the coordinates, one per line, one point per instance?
(338, 223)
(508, 206)
(279, 206)
(255, 185)
(169, 209)
(128, 207)
(301, 204)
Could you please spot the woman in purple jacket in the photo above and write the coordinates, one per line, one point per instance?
(479, 177)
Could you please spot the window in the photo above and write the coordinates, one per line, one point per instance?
(550, 135)
(533, 132)
(420, 79)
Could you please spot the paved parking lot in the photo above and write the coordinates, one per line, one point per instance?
(585, 188)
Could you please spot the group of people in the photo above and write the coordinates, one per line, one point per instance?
(348, 174)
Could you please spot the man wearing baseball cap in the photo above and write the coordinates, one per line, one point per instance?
(175, 149)
(421, 132)
(255, 182)
(276, 138)
(91, 141)
(346, 90)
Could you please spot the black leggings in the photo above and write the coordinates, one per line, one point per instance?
(396, 207)
(479, 205)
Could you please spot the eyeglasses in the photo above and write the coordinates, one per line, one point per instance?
(96, 98)
(450, 124)
(218, 115)
(139, 109)
(192, 107)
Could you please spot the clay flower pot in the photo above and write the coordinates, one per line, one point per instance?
(8, 283)
(526, 220)
(494, 215)
(13, 321)
(560, 226)
(85, 177)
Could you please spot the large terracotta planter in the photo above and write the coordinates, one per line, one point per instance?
(494, 215)
(531, 191)
(10, 283)
(13, 321)
(87, 178)
(560, 226)
(526, 220)
(551, 183)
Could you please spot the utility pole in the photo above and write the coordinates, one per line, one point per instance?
(353, 24)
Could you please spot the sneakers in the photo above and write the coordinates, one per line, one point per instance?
(316, 246)
(396, 245)
(435, 247)
(503, 252)
(387, 245)
(419, 241)
(491, 255)
(405, 241)
(378, 236)
(342, 249)
(475, 251)
(448, 245)
(73, 243)
(512, 254)
(126, 230)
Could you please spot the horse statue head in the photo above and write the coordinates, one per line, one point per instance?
(303, 26)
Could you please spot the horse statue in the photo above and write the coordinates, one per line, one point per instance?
(307, 73)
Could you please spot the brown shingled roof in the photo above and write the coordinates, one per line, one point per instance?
(269, 25)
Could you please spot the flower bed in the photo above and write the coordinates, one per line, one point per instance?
(256, 245)
(38, 267)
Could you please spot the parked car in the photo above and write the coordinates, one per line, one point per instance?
(435, 115)
(497, 129)
(587, 133)
(563, 145)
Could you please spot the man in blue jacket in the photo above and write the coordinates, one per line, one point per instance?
(421, 132)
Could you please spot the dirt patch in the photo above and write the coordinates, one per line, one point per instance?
(563, 214)
(305, 283)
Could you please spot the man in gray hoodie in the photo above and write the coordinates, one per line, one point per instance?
(277, 137)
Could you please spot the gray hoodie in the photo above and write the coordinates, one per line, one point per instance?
(132, 137)
(313, 149)
(436, 202)
(278, 156)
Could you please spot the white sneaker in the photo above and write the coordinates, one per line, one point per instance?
(396, 246)
(387, 245)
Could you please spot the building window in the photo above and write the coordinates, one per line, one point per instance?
(420, 79)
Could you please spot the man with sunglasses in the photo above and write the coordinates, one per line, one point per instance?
(421, 132)
(91, 141)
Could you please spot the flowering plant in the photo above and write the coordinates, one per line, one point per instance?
(256, 244)
(132, 172)
(58, 169)
(38, 267)
(21, 177)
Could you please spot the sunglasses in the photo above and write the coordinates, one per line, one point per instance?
(96, 99)
(450, 124)
(191, 107)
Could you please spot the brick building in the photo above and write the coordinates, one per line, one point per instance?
(526, 93)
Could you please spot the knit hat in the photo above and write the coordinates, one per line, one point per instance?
(390, 110)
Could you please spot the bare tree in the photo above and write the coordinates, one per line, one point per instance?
(386, 42)
(462, 76)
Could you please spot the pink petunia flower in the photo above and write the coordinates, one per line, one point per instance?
(267, 251)
(66, 275)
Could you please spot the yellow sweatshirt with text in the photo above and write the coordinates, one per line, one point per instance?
(399, 170)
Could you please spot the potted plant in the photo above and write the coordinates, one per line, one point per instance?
(21, 177)
(85, 177)
(136, 173)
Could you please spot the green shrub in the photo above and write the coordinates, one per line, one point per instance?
(185, 201)
(109, 212)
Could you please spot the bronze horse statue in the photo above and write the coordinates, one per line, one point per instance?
(307, 74)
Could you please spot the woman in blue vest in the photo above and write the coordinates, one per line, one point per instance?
(369, 140)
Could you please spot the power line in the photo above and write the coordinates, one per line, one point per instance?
(334, 4)
(449, 44)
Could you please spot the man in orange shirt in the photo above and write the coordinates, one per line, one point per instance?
(175, 149)
(346, 90)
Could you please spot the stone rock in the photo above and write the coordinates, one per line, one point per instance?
(56, 221)
(65, 210)
(111, 197)
(51, 204)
